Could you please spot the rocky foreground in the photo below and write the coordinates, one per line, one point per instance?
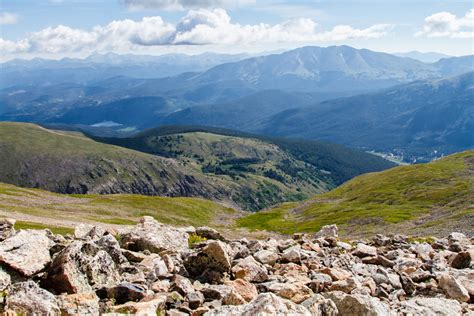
(154, 269)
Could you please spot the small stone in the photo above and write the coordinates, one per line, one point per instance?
(346, 285)
(154, 305)
(292, 254)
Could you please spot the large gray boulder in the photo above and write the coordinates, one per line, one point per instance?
(27, 251)
(153, 236)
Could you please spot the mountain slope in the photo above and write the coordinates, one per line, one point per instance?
(415, 119)
(70, 163)
(428, 198)
(51, 209)
(244, 172)
(335, 163)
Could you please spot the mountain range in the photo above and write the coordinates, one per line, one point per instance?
(308, 92)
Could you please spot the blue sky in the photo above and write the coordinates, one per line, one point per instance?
(78, 28)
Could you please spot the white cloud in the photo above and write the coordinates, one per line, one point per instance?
(198, 27)
(446, 24)
(8, 18)
(185, 4)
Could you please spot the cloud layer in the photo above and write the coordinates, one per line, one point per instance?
(8, 18)
(185, 4)
(197, 27)
(446, 24)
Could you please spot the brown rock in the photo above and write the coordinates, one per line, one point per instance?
(27, 298)
(362, 250)
(336, 274)
(463, 259)
(79, 304)
(453, 288)
(247, 290)
(295, 292)
(250, 270)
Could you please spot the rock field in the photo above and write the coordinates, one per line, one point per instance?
(155, 269)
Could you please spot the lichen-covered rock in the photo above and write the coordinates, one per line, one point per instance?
(84, 231)
(209, 263)
(266, 257)
(27, 251)
(327, 231)
(430, 306)
(250, 270)
(154, 305)
(295, 292)
(79, 304)
(7, 228)
(263, 304)
(453, 288)
(356, 304)
(81, 268)
(153, 236)
(27, 298)
(247, 290)
(363, 250)
(5, 280)
(320, 306)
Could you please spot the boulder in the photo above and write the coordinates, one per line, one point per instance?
(182, 285)
(363, 250)
(319, 281)
(85, 231)
(154, 305)
(336, 274)
(357, 304)
(7, 228)
(124, 292)
(295, 292)
(327, 231)
(5, 280)
(263, 304)
(79, 304)
(27, 298)
(209, 233)
(195, 299)
(292, 254)
(155, 237)
(430, 306)
(81, 268)
(453, 288)
(266, 257)
(320, 306)
(247, 290)
(463, 260)
(250, 270)
(346, 285)
(27, 251)
(209, 263)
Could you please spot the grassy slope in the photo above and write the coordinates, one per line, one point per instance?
(117, 209)
(67, 162)
(426, 198)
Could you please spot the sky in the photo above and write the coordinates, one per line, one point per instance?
(78, 28)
